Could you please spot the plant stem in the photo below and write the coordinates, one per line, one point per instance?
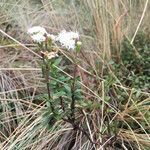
(73, 96)
(47, 69)
(77, 127)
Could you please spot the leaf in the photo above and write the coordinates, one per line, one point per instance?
(58, 94)
(68, 89)
(57, 61)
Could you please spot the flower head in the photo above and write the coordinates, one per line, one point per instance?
(52, 37)
(68, 39)
(38, 38)
(79, 43)
(39, 34)
(36, 30)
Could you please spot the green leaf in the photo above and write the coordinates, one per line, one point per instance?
(58, 94)
(68, 89)
(57, 61)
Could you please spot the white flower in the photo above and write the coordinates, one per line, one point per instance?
(38, 38)
(37, 29)
(79, 43)
(53, 37)
(68, 39)
(39, 34)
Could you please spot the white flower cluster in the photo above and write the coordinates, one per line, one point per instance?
(37, 30)
(39, 34)
(66, 39)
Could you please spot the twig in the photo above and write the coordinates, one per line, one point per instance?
(76, 127)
